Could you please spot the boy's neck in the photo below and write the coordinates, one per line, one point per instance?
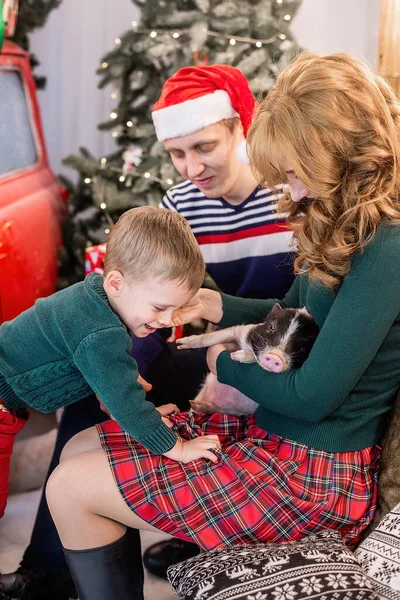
(244, 185)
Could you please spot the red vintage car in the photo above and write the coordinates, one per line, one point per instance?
(31, 205)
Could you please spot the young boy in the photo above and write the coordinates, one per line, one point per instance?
(79, 339)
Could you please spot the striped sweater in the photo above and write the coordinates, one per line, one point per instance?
(246, 247)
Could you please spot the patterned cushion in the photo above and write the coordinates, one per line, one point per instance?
(318, 567)
(379, 554)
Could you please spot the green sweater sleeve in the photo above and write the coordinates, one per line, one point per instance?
(104, 361)
(237, 311)
(360, 317)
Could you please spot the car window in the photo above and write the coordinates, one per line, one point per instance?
(17, 142)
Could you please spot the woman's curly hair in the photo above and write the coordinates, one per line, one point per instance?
(337, 126)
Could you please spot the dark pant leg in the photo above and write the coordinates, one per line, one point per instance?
(45, 551)
(176, 375)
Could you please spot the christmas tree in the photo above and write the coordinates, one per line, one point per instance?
(31, 15)
(253, 35)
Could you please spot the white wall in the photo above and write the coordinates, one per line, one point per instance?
(69, 49)
(80, 32)
(326, 26)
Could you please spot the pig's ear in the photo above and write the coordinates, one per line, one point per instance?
(276, 308)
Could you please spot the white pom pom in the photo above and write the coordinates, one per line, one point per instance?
(242, 154)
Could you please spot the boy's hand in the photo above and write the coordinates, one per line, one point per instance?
(200, 447)
(146, 386)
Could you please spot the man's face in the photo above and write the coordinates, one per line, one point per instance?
(208, 158)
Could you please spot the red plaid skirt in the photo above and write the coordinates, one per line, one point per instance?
(11, 423)
(263, 488)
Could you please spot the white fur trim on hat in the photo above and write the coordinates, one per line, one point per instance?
(192, 115)
(242, 153)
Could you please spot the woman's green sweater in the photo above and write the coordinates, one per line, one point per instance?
(339, 400)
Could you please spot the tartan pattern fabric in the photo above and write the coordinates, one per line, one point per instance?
(263, 488)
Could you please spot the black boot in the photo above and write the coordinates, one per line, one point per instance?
(158, 557)
(112, 572)
(26, 584)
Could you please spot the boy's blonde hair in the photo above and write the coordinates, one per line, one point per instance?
(338, 126)
(155, 243)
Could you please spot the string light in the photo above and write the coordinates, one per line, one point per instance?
(114, 134)
(232, 38)
(107, 231)
(88, 180)
(147, 175)
(129, 124)
(103, 205)
(282, 36)
(134, 24)
(122, 178)
(118, 41)
(103, 161)
(113, 115)
(287, 17)
(113, 95)
(104, 65)
(169, 181)
(279, 1)
(258, 44)
(175, 35)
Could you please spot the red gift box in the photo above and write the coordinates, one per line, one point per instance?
(94, 259)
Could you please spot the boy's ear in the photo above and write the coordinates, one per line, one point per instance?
(113, 283)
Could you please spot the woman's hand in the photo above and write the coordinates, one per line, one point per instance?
(212, 355)
(206, 304)
(200, 447)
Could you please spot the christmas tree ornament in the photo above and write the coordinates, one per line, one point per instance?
(131, 157)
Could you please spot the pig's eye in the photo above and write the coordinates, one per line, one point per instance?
(271, 327)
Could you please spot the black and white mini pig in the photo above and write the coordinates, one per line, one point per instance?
(281, 342)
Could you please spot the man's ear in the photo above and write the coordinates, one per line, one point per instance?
(113, 283)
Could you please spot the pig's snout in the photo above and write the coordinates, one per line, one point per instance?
(273, 362)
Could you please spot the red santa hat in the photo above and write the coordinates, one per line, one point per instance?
(196, 97)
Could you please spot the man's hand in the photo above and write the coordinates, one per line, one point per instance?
(200, 447)
(165, 410)
(212, 355)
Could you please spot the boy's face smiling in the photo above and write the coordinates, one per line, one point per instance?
(148, 305)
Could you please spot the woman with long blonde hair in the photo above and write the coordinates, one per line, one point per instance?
(308, 459)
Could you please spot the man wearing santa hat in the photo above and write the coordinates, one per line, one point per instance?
(202, 116)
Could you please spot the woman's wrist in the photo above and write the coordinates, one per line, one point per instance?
(212, 302)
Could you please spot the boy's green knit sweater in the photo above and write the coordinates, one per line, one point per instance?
(339, 400)
(71, 344)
